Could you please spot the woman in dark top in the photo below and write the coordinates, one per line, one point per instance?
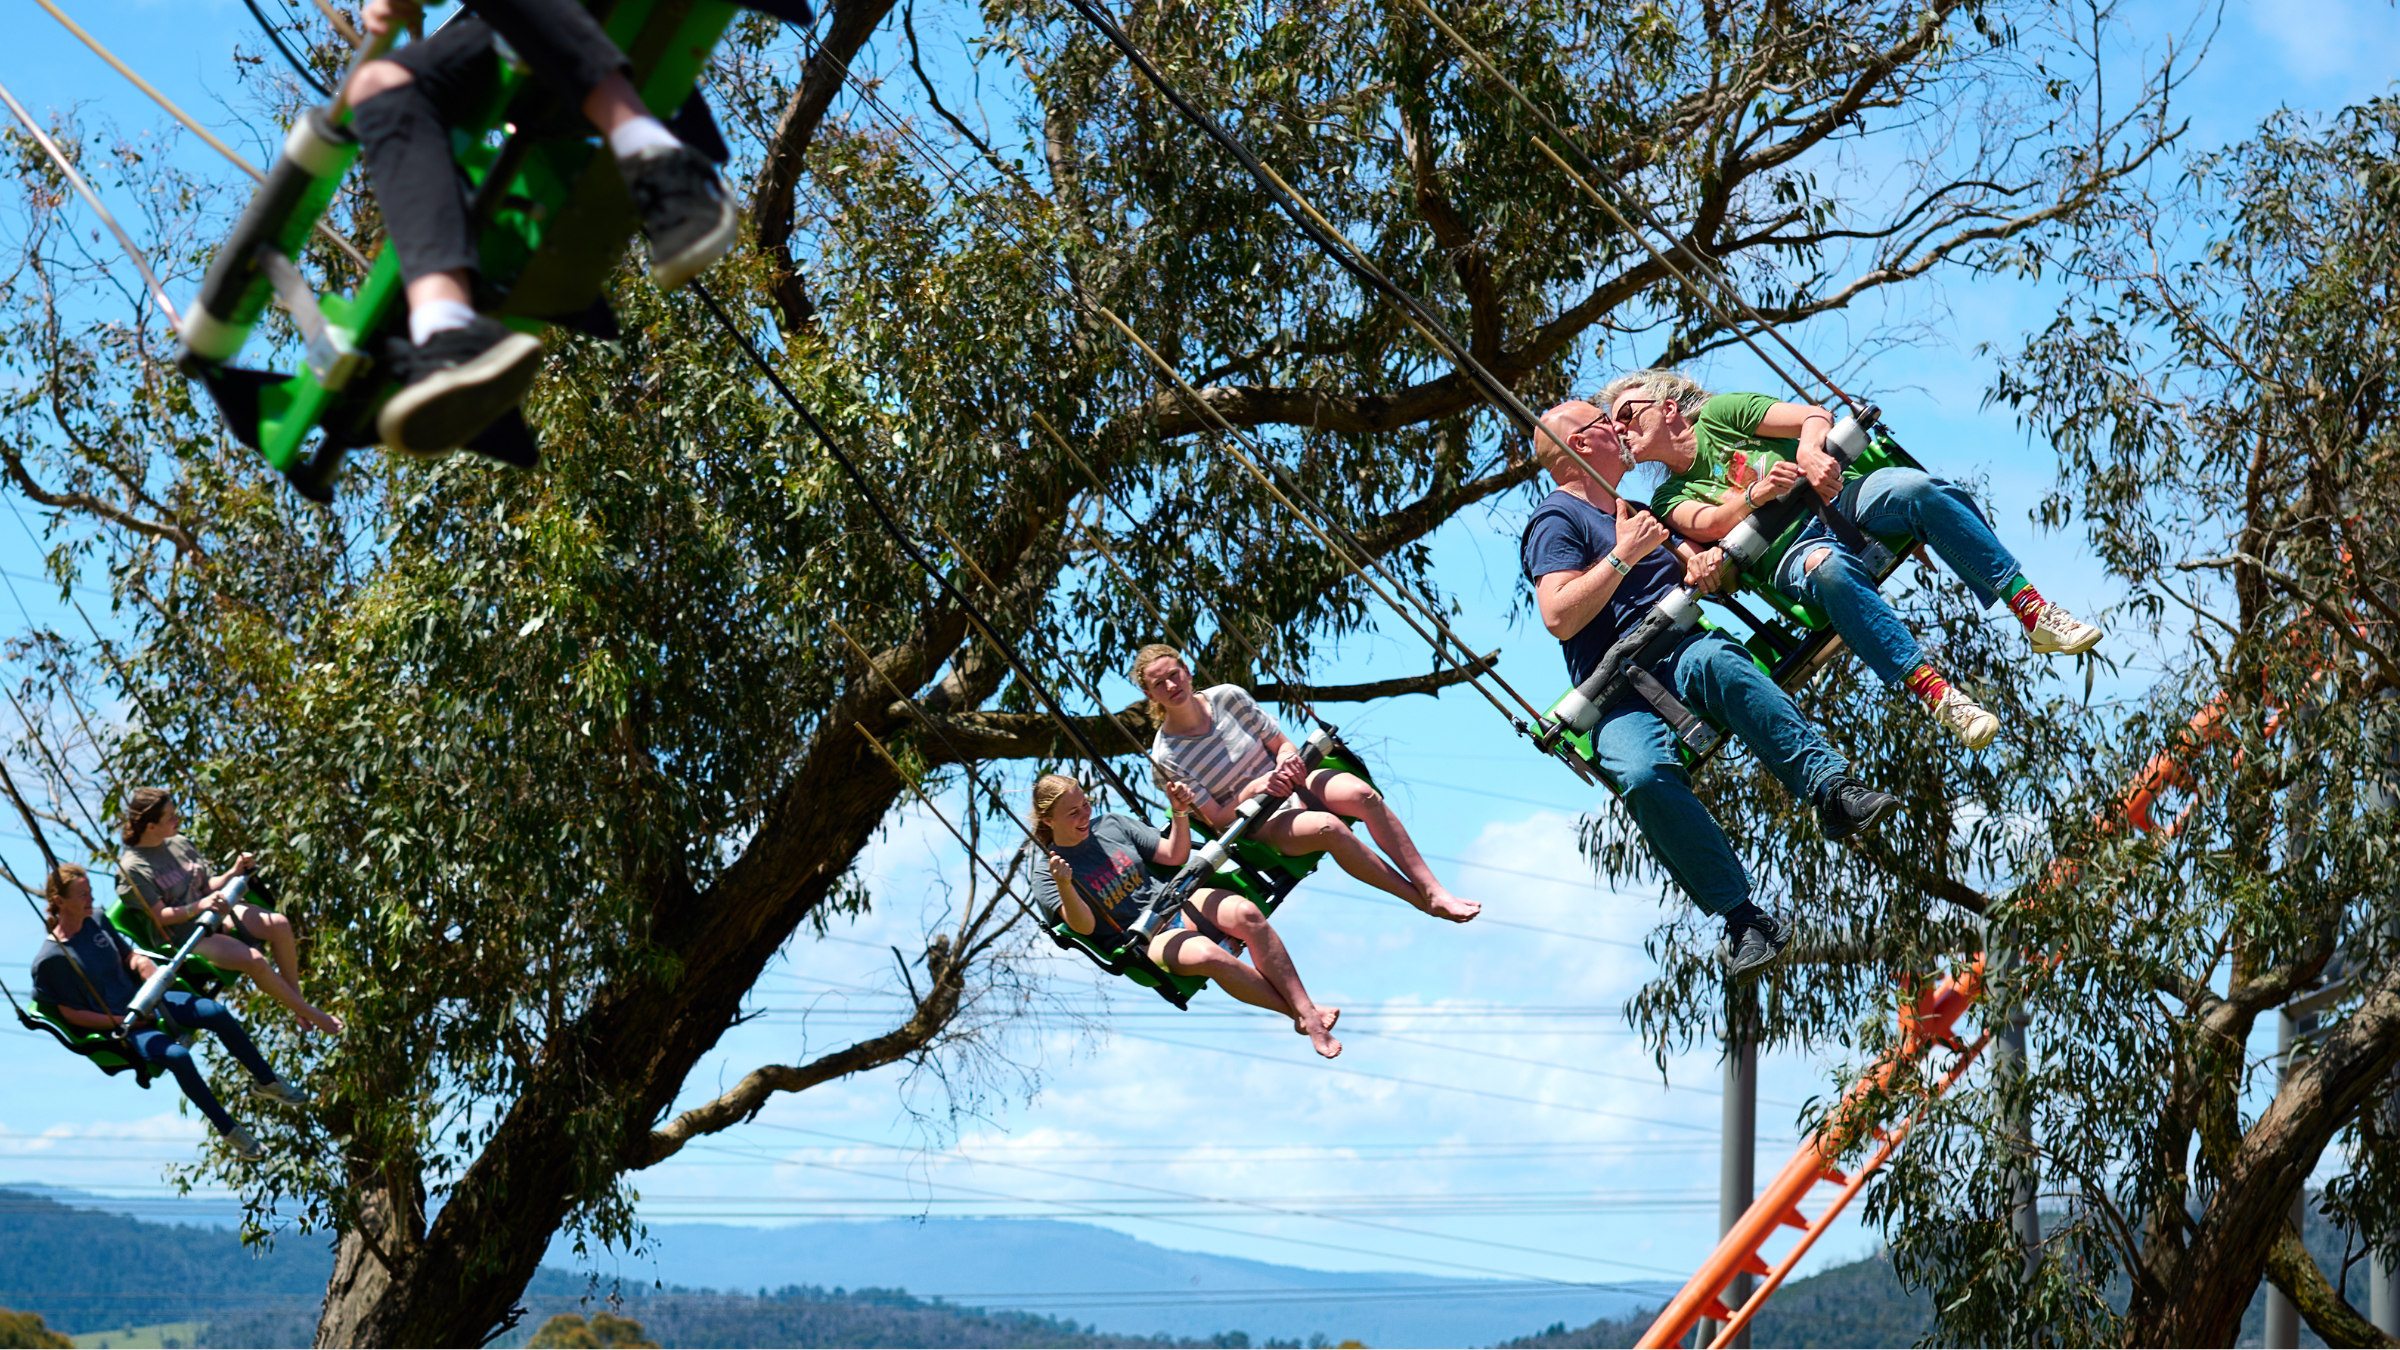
(1105, 861)
(90, 975)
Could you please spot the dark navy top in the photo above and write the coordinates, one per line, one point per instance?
(1569, 534)
(102, 954)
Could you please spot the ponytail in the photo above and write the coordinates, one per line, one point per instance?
(54, 889)
(1047, 789)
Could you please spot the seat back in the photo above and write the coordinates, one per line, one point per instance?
(131, 921)
(105, 1052)
(1258, 871)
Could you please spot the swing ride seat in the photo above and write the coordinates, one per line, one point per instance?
(1790, 647)
(132, 922)
(1792, 656)
(552, 218)
(104, 1051)
(1258, 871)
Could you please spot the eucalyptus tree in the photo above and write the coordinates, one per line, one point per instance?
(2220, 395)
(555, 763)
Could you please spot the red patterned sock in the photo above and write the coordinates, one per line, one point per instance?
(1927, 683)
(2027, 605)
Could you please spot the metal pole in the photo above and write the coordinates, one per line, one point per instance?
(2009, 1069)
(2383, 1274)
(1737, 1173)
(2283, 1319)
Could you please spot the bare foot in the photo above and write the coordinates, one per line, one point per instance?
(1329, 1015)
(1447, 906)
(1322, 1037)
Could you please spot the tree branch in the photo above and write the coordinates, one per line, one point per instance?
(773, 198)
(1002, 735)
(2329, 1315)
(933, 1014)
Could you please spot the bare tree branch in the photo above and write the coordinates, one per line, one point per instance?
(934, 1011)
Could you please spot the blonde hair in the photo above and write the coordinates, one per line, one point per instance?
(1047, 789)
(1141, 662)
(55, 889)
(1672, 385)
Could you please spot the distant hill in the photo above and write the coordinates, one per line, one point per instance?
(1862, 1304)
(1099, 1277)
(835, 1284)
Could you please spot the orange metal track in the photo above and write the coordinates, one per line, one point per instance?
(1930, 1021)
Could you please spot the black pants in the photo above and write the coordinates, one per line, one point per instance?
(404, 133)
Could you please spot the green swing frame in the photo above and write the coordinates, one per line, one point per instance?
(552, 218)
(1794, 644)
(1259, 872)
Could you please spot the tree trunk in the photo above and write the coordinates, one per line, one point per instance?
(2202, 1299)
(616, 1069)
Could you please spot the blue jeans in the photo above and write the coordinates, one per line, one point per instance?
(1717, 679)
(1907, 502)
(164, 1051)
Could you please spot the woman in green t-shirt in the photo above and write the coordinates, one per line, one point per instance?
(1727, 455)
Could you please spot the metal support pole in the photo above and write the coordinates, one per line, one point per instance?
(2009, 1068)
(2283, 1318)
(1737, 1172)
(2383, 1274)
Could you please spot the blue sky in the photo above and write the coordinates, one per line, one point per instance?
(1492, 1114)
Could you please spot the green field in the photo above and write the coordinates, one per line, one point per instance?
(159, 1337)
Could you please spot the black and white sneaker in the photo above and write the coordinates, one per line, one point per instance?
(684, 208)
(1753, 938)
(1847, 806)
(455, 384)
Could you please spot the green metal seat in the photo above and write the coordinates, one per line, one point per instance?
(132, 922)
(553, 219)
(1791, 645)
(1259, 872)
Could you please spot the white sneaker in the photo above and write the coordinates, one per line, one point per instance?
(2058, 633)
(244, 1145)
(1964, 718)
(278, 1090)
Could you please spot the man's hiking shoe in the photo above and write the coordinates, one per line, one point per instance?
(1848, 806)
(2055, 632)
(278, 1090)
(455, 385)
(1753, 938)
(245, 1145)
(1964, 718)
(685, 211)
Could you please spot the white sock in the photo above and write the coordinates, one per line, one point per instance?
(437, 316)
(642, 133)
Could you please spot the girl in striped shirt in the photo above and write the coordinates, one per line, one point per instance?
(1219, 743)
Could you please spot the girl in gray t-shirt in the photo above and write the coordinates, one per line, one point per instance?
(166, 878)
(1095, 874)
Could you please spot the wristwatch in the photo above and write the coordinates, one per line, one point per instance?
(1624, 568)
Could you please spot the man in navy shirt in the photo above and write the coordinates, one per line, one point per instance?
(1598, 565)
(90, 975)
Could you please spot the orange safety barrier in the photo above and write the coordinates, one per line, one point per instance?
(1929, 1021)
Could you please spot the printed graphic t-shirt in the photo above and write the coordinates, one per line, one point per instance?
(1232, 752)
(102, 955)
(1728, 455)
(1569, 534)
(172, 873)
(1111, 865)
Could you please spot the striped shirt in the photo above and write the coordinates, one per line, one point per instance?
(1233, 752)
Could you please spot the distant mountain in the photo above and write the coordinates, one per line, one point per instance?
(1100, 1277)
(839, 1284)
